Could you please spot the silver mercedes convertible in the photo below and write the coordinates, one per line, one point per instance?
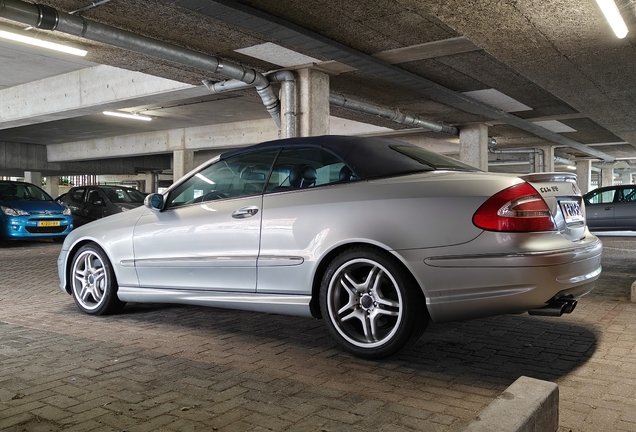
(374, 236)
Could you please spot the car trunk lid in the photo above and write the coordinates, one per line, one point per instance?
(563, 196)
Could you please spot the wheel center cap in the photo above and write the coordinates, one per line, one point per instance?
(366, 301)
(91, 279)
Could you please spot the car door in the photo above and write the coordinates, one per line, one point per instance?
(207, 236)
(599, 208)
(74, 200)
(94, 204)
(294, 217)
(625, 208)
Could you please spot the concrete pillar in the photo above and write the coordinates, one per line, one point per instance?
(150, 182)
(52, 186)
(313, 103)
(607, 177)
(584, 174)
(182, 163)
(473, 146)
(33, 177)
(626, 176)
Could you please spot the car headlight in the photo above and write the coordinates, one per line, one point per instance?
(67, 211)
(9, 211)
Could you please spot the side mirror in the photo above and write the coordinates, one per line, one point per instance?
(154, 202)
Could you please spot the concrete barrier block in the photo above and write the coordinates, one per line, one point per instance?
(633, 297)
(528, 405)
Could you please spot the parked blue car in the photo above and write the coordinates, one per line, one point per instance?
(27, 212)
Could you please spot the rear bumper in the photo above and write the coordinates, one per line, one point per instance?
(479, 285)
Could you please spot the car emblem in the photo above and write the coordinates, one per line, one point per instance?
(46, 212)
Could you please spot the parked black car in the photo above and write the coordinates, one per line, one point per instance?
(611, 208)
(88, 203)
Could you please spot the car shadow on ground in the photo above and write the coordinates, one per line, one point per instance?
(496, 350)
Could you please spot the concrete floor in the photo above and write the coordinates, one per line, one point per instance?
(181, 368)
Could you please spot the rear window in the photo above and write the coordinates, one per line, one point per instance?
(433, 160)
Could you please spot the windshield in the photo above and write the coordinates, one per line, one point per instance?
(22, 192)
(121, 195)
(434, 160)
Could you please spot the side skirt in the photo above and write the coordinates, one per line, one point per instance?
(297, 305)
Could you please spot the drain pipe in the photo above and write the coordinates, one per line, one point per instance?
(390, 114)
(529, 152)
(342, 102)
(288, 82)
(48, 18)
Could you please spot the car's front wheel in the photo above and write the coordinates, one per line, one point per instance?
(93, 282)
(370, 303)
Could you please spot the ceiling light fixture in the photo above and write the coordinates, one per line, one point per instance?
(613, 17)
(41, 43)
(127, 115)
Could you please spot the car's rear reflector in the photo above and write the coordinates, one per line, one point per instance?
(519, 208)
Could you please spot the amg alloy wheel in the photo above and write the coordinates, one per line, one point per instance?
(93, 282)
(370, 304)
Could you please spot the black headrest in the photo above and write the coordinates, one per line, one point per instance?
(304, 177)
(345, 174)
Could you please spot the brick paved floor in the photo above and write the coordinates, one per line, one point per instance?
(182, 368)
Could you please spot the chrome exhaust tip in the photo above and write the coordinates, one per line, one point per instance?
(556, 308)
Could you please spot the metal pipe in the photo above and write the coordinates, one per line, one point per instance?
(529, 152)
(288, 84)
(390, 114)
(563, 160)
(47, 18)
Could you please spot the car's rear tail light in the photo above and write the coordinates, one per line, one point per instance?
(518, 208)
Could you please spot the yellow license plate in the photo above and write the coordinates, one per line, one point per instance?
(49, 223)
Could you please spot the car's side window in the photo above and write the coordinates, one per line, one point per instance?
(602, 197)
(93, 196)
(77, 196)
(307, 167)
(627, 195)
(238, 176)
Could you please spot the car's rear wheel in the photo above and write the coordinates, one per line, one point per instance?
(93, 282)
(370, 303)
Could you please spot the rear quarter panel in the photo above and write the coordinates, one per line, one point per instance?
(429, 210)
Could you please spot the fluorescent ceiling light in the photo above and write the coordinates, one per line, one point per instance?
(277, 55)
(497, 99)
(613, 17)
(41, 43)
(127, 115)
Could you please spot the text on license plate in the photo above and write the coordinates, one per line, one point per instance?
(571, 211)
(49, 223)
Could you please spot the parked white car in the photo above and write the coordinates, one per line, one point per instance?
(373, 235)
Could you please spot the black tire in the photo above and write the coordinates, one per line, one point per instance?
(371, 305)
(93, 283)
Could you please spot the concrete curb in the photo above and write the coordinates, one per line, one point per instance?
(528, 405)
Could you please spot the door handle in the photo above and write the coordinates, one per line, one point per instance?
(607, 208)
(245, 212)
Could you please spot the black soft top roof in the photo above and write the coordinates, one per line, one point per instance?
(368, 157)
